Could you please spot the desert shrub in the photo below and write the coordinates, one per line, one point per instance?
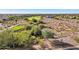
(31, 40)
(36, 31)
(58, 17)
(1, 21)
(17, 28)
(47, 33)
(1, 28)
(25, 39)
(41, 26)
(11, 17)
(41, 42)
(7, 40)
(34, 20)
(28, 27)
(76, 39)
(26, 18)
(77, 17)
(21, 39)
(41, 22)
(14, 40)
(77, 21)
(72, 17)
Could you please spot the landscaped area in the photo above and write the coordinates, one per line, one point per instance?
(39, 32)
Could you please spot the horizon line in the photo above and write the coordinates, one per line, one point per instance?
(39, 11)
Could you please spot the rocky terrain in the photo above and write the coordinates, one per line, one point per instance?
(48, 32)
(66, 31)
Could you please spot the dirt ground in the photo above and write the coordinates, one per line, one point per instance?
(66, 30)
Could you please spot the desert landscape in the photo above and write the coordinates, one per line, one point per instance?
(39, 31)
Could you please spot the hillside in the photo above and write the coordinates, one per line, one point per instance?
(39, 31)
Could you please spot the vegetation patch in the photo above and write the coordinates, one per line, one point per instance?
(16, 28)
(34, 18)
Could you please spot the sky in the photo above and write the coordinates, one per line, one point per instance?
(39, 11)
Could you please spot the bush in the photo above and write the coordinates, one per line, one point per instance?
(41, 26)
(28, 27)
(1, 21)
(36, 31)
(34, 20)
(58, 17)
(41, 22)
(47, 33)
(41, 42)
(1, 28)
(32, 39)
(74, 17)
(26, 18)
(76, 39)
(15, 40)
(22, 38)
(7, 40)
(17, 28)
(11, 17)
